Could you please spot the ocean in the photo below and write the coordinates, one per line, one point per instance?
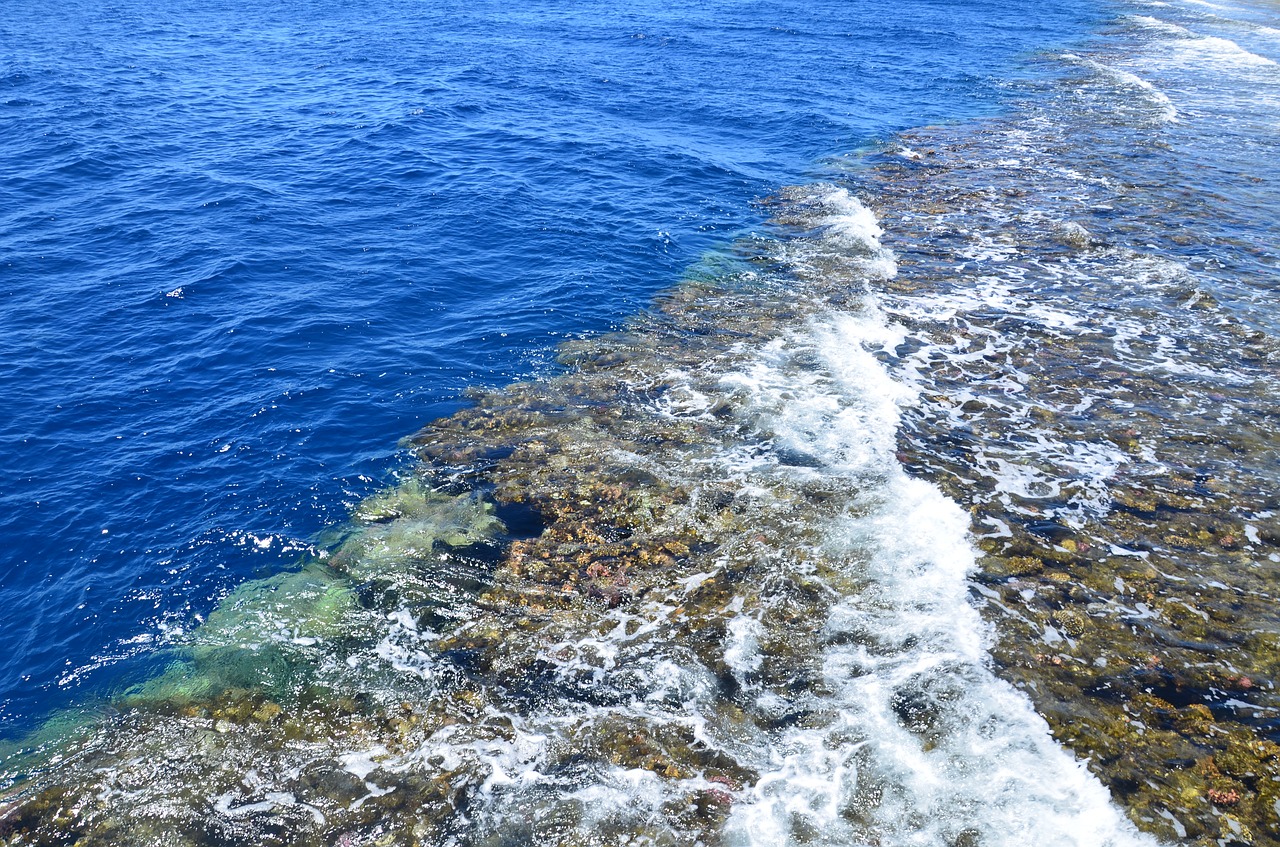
(743, 424)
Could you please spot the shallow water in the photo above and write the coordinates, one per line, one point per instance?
(938, 508)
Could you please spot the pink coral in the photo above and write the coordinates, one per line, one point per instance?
(1224, 796)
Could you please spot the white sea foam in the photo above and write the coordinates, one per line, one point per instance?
(1133, 82)
(850, 232)
(1228, 52)
(1209, 5)
(1152, 23)
(850, 219)
(1221, 53)
(926, 742)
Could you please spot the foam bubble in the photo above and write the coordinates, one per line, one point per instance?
(1222, 53)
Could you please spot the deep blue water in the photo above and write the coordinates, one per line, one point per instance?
(247, 247)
